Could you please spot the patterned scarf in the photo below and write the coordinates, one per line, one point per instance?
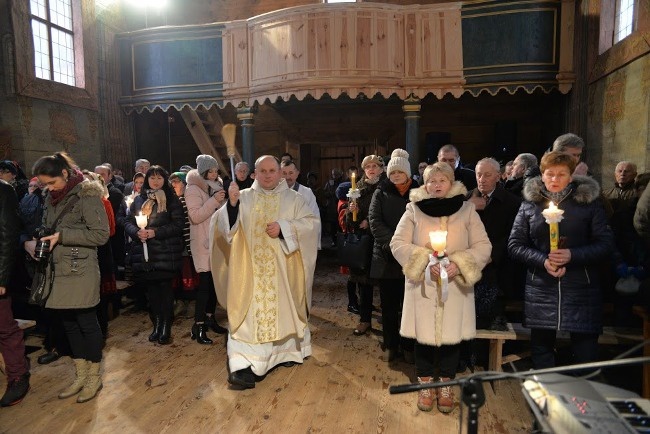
(153, 197)
(559, 196)
(75, 178)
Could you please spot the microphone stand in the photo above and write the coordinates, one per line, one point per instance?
(472, 386)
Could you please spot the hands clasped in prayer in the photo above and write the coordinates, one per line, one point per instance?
(555, 264)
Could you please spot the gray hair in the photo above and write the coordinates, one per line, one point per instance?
(629, 163)
(528, 159)
(141, 161)
(450, 148)
(241, 164)
(492, 162)
(568, 140)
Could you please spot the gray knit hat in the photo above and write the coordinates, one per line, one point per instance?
(205, 162)
(399, 160)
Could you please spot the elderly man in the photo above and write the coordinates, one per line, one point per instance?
(12, 345)
(573, 145)
(141, 166)
(264, 245)
(523, 163)
(241, 175)
(449, 154)
(624, 191)
(497, 209)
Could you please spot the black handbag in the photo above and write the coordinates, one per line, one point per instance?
(354, 250)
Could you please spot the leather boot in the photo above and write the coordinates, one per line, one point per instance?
(445, 397)
(426, 396)
(165, 332)
(199, 333)
(81, 367)
(93, 383)
(214, 325)
(157, 326)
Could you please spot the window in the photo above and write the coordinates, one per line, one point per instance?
(52, 31)
(624, 19)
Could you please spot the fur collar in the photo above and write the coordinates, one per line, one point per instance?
(585, 189)
(194, 178)
(420, 193)
(90, 189)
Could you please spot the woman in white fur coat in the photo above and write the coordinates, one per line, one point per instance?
(204, 195)
(439, 326)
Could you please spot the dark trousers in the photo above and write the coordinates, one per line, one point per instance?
(55, 337)
(161, 298)
(102, 314)
(365, 305)
(206, 299)
(425, 360)
(12, 343)
(353, 299)
(391, 292)
(83, 332)
(542, 347)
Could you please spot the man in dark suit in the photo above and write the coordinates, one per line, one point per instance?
(449, 154)
(497, 209)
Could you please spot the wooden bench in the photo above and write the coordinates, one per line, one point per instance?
(517, 332)
(24, 324)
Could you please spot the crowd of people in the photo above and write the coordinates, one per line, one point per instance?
(450, 247)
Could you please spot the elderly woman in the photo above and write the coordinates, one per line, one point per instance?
(74, 208)
(562, 290)
(373, 173)
(439, 313)
(387, 207)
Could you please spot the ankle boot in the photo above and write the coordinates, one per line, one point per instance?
(199, 333)
(165, 332)
(445, 397)
(93, 383)
(214, 325)
(157, 326)
(426, 396)
(81, 367)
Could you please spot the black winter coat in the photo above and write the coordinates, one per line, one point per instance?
(9, 230)
(166, 248)
(573, 302)
(386, 210)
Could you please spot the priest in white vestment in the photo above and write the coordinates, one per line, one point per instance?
(264, 246)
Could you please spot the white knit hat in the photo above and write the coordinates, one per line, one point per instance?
(399, 160)
(205, 162)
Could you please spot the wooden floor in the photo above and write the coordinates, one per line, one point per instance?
(182, 387)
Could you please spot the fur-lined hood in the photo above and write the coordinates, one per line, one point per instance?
(194, 178)
(420, 193)
(584, 190)
(89, 188)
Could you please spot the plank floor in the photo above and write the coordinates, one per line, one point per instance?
(182, 387)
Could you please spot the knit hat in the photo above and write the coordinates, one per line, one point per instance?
(179, 175)
(205, 162)
(372, 159)
(399, 160)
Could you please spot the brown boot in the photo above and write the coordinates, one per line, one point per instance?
(93, 383)
(445, 397)
(362, 328)
(426, 396)
(81, 367)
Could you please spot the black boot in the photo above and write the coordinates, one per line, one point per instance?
(165, 332)
(199, 333)
(212, 323)
(243, 378)
(157, 326)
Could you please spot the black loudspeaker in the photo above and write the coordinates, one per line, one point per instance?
(505, 141)
(433, 142)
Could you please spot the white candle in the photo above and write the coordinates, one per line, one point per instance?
(141, 221)
(438, 241)
(553, 216)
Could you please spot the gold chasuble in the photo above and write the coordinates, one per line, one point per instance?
(265, 283)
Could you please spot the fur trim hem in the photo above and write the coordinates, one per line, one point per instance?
(470, 273)
(417, 263)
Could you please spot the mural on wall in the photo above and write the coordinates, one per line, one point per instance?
(62, 128)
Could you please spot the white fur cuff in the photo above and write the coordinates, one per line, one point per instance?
(470, 273)
(417, 263)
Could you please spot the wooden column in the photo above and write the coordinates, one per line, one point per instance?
(245, 116)
(411, 109)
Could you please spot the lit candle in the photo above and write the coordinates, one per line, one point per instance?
(353, 188)
(553, 216)
(141, 221)
(438, 241)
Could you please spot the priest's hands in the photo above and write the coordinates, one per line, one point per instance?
(273, 229)
(233, 193)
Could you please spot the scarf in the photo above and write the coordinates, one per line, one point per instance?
(403, 188)
(373, 180)
(153, 197)
(213, 187)
(441, 207)
(75, 178)
(559, 196)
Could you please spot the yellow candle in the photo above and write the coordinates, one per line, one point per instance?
(555, 235)
(353, 178)
(438, 240)
(553, 216)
